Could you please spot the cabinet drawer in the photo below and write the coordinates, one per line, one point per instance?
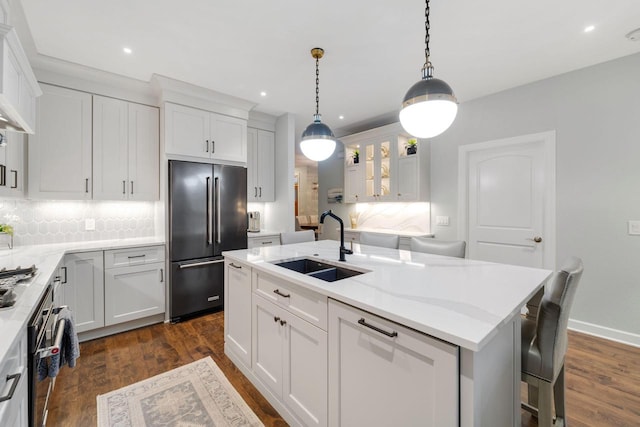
(305, 304)
(257, 242)
(133, 256)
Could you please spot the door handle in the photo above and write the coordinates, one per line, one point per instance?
(200, 264)
(537, 239)
(86, 185)
(375, 328)
(209, 209)
(255, 191)
(65, 274)
(277, 292)
(218, 215)
(206, 146)
(235, 266)
(124, 187)
(131, 187)
(260, 195)
(161, 275)
(213, 146)
(16, 379)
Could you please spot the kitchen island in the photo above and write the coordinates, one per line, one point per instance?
(416, 339)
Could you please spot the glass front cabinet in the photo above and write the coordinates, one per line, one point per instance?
(381, 165)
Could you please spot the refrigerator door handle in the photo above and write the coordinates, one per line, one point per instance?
(209, 212)
(200, 264)
(218, 216)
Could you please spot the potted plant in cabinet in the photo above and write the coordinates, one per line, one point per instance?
(356, 157)
(412, 146)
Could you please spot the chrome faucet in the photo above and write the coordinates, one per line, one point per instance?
(343, 250)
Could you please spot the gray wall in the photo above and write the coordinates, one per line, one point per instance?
(596, 115)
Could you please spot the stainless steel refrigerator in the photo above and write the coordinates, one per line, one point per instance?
(207, 215)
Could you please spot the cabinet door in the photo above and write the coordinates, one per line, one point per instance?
(110, 148)
(187, 131)
(305, 371)
(60, 150)
(12, 158)
(83, 289)
(408, 178)
(266, 166)
(134, 292)
(267, 345)
(228, 137)
(237, 313)
(144, 153)
(354, 183)
(252, 165)
(425, 369)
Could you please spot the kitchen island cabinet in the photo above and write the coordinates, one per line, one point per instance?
(453, 326)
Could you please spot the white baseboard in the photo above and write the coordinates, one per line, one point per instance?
(604, 332)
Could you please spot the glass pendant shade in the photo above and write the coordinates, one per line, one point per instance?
(318, 141)
(429, 108)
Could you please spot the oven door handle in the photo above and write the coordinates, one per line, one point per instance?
(55, 348)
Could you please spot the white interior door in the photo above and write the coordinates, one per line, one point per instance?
(510, 200)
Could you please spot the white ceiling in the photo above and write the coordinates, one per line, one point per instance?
(373, 49)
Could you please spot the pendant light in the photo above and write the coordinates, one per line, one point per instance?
(429, 107)
(318, 141)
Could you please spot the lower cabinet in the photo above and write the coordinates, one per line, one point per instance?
(133, 292)
(14, 378)
(237, 313)
(383, 374)
(82, 285)
(290, 357)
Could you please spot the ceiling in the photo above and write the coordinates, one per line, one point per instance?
(374, 50)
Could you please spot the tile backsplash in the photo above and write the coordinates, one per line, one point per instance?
(40, 222)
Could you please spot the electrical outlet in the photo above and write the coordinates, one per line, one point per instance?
(90, 224)
(634, 228)
(442, 220)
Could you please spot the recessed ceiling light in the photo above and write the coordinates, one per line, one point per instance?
(341, 117)
(589, 28)
(263, 93)
(127, 50)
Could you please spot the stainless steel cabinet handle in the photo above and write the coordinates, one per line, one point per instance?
(277, 292)
(209, 213)
(16, 380)
(375, 328)
(161, 275)
(199, 264)
(65, 274)
(218, 214)
(15, 178)
(235, 266)
(124, 185)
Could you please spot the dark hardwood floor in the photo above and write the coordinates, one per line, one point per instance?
(602, 377)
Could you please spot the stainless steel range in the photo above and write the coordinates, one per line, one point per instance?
(10, 281)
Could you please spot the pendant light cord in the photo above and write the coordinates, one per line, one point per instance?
(317, 86)
(427, 68)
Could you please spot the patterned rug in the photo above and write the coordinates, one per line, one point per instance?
(197, 394)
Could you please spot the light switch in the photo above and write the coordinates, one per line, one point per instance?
(634, 228)
(90, 224)
(442, 220)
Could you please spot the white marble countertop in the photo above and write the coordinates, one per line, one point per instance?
(46, 258)
(401, 233)
(460, 301)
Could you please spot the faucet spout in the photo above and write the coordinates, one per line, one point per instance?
(343, 250)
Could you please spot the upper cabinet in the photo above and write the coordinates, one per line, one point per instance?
(18, 85)
(386, 168)
(112, 154)
(202, 134)
(12, 164)
(125, 150)
(60, 151)
(260, 165)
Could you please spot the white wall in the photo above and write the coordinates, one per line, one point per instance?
(596, 115)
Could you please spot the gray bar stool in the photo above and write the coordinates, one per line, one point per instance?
(297, 237)
(428, 245)
(378, 239)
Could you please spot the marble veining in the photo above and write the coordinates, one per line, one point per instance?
(399, 217)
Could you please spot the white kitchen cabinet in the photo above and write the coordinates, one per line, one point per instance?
(82, 284)
(14, 378)
(237, 313)
(202, 134)
(60, 151)
(385, 173)
(262, 240)
(136, 290)
(260, 165)
(12, 165)
(290, 357)
(125, 150)
(363, 346)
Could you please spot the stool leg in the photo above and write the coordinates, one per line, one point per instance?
(545, 404)
(532, 395)
(558, 396)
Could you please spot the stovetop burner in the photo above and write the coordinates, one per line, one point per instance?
(8, 281)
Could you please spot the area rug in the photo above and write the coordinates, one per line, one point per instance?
(197, 394)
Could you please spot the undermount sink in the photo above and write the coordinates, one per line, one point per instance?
(318, 269)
